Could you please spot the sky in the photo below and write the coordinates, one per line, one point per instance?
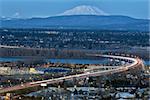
(46, 8)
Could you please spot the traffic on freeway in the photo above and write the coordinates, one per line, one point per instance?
(91, 72)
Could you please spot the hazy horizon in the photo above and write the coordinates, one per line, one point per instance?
(47, 8)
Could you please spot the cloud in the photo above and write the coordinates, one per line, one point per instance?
(3, 17)
(16, 15)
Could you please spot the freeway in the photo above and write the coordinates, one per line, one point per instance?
(21, 47)
(5, 46)
(135, 62)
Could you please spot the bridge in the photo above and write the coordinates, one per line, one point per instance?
(135, 62)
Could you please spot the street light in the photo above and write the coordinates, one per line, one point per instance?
(43, 85)
(9, 82)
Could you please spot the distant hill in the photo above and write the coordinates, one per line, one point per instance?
(80, 22)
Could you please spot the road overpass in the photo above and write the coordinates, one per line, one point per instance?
(136, 62)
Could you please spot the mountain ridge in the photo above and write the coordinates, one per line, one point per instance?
(115, 22)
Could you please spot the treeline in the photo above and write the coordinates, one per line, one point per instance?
(65, 53)
(46, 53)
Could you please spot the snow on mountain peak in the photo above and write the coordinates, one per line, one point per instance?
(84, 10)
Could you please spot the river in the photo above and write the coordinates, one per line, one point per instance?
(73, 61)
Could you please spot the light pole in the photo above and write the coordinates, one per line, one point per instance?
(43, 85)
(87, 86)
(58, 90)
(9, 82)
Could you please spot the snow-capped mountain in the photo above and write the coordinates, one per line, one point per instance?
(84, 10)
